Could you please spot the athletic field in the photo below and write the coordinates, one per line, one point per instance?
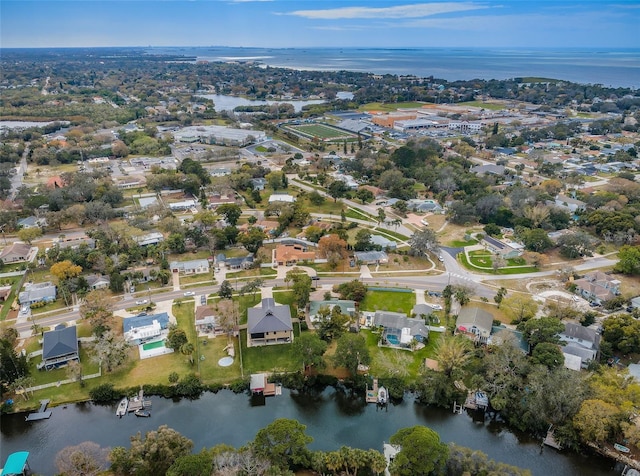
(322, 132)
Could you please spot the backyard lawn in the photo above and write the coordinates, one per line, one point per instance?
(268, 358)
(388, 301)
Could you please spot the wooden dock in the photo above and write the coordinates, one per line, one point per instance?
(372, 394)
(550, 439)
(138, 403)
(41, 414)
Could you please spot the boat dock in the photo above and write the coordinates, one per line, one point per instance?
(138, 403)
(550, 439)
(476, 401)
(42, 413)
(372, 394)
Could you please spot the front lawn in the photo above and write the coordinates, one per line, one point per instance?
(388, 301)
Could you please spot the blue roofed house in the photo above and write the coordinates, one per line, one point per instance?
(37, 292)
(269, 323)
(59, 347)
(142, 328)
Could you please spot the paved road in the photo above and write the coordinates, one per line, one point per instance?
(17, 178)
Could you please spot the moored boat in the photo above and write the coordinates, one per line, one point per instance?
(621, 448)
(142, 413)
(122, 407)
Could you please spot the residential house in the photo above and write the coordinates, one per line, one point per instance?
(258, 183)
(475, 323)
(195, 266)
(289, 255)
(143, 327)
(383, 242)
(424, 206)
(18, 253)
(635, 302)
(4, 292)
(207, 321)
(237, 263)
(32, 222)
(423, 310)
(146, 202)
(217, 199)
(74, 241)
(37, 292)
(152, 238)
(346, 307)
(400, 330)
(501, 334)
(580, 341)
(269, 227)
(568, 203)
(506, 249)
(182, 205)
(59, 347)
(371, 257)
(98, 281)
(268, 324)
(597, 287)
(281, 197)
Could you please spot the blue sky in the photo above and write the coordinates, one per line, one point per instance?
(322, 23)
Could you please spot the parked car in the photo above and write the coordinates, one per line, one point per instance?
(437, 307)
(142, 301)
(189, 293)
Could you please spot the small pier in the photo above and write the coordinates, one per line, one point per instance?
(372, 393)
(138, 403)
(550, 439)
(477, 401)
(42, 413)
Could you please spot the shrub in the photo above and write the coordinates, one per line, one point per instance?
(104, 393)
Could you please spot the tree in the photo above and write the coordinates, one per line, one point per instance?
(227, 312)
(364, 195)
(337, 189)
(309, 349)
(351, 290)
(363, 240)
(29, 234)
(97, 308)
(332, 323)
(176, 338)
(629, 260)
(595, 420)
(111, 350)
(284, 443)
(152, 456)
(502, 292)
(545, 329)
(622, 332)
(333, 248)
(382, 216)
(85, 459)
(423, 241)
(65, 270)
(116, 282)
(188, 349)
(421, 452)
(519, 307)
(252, 239)
(462, 294)
(175, 242)
(315, 198)
(12, 365)
(536, 240)
(547, 354)
(226, 290)
(200, 464)
(575, 245)
(452, 354)
(301, 286)
(351, 351)
(231, 212)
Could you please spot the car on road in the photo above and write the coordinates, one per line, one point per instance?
(315, 278)
(189, 293)
(440, 258)
(142, 301)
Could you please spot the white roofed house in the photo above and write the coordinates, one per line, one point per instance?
(196, 266)
(400, 330)
(569, 203)
(141, 328)
(207, 321)
(281, 197)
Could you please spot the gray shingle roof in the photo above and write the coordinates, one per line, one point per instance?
(269, 317)
(129, 323)
(59, 342)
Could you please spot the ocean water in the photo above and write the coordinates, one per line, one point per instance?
(609, 67)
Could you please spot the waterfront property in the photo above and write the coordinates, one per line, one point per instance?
(59, 347)
(207, 321)
(476, 323)
(399, 330)
(259, 384)
(16, 464)
(142, 328)
(580, 342)
(269, 323)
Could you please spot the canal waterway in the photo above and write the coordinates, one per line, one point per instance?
(333, 419)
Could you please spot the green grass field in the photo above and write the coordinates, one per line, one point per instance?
(388, 301)
(321, 131)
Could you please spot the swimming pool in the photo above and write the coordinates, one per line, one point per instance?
(153, 345)
(392, 339)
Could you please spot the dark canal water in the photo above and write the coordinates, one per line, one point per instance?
(333, 419)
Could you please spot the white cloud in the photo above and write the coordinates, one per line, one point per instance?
(418, 10)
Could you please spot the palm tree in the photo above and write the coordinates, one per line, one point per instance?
(188, 349)
(452, 354)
